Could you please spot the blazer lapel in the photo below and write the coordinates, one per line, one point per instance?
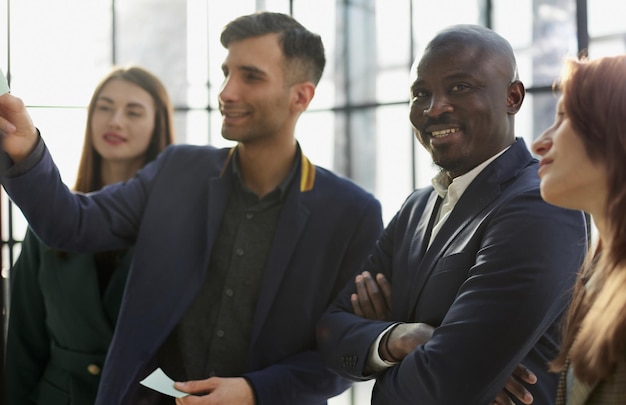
(424, 229)
(218, 192)
(474, 200)
(418, 245)
(485, 188)
(289, 228)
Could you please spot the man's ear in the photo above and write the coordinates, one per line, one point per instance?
(515, 97)
(302, 95)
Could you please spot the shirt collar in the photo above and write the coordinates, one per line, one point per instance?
(282, 187)
(455, 188)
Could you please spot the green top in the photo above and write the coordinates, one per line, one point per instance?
(60, 325)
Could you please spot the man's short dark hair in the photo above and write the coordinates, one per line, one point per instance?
(303, 49)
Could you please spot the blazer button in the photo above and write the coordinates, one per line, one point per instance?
(93, 369)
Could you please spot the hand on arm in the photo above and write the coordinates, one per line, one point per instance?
(372, 300)
(216, 390)
(373, 297)
(19, 135)
(404, 338)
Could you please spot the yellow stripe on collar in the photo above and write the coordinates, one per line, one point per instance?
(307, 177)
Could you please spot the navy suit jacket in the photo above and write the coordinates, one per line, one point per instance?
(171, 212)
(494, 283)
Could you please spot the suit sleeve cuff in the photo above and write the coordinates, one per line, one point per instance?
(375, 363)
(254, 393)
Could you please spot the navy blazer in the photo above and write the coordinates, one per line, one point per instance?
(171, 212)
(494, 283)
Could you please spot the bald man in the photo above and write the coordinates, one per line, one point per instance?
(471, 276)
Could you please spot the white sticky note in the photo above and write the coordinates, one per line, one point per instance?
(159, 381)
(4, 85)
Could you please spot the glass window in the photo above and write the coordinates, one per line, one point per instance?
(600, 22)
(541, 33)
(607, 46)
(54, 59)
(429, 17)
(394, 165)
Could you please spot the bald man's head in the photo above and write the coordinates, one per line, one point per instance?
(488, 45)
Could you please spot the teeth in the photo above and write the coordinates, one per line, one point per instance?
(444, 132)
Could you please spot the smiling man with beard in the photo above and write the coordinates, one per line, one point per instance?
(472, 275)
